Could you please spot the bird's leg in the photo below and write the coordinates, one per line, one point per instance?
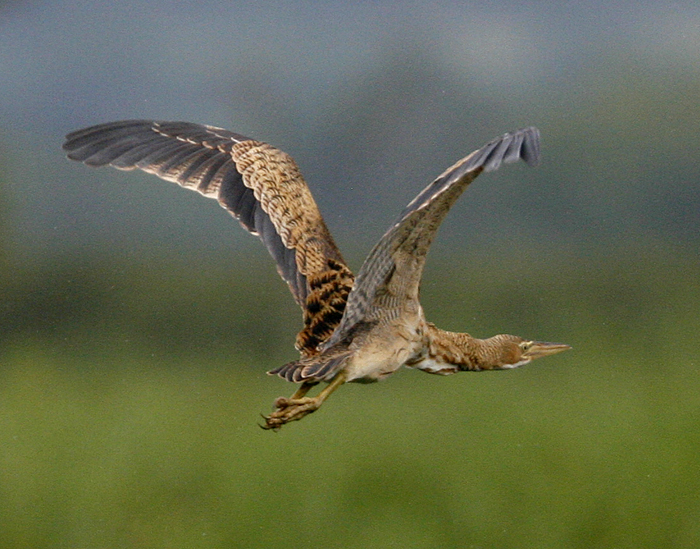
(299, 405)
(283, 402)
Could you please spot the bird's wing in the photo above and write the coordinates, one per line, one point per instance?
(391, 273)
(258, 184)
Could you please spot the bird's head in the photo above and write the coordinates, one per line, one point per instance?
(508, 351)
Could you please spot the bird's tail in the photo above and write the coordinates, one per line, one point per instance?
(316, 368)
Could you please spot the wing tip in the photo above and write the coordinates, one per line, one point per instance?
(522, 144)
(530, 152)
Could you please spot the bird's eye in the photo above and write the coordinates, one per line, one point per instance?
(525, 345)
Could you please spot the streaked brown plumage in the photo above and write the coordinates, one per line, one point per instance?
(354, 330)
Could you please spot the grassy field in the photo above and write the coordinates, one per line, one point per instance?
(129, 419)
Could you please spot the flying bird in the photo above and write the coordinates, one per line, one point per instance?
(355, 329)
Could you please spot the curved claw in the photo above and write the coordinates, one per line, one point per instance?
(268, 426)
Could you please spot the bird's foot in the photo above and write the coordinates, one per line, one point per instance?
(290, 409)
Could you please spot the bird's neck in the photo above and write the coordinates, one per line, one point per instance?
(462, 350)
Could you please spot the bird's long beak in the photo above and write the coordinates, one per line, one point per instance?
(542, 348)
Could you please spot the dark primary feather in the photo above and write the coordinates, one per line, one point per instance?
(520, 145)
(400, 254)
(259, 185)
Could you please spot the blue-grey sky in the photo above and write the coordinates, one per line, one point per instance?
(373, 99)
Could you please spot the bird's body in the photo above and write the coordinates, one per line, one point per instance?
(355, 329)
(387, 347)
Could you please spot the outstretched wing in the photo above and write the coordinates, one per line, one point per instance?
(258, 184)
(392, 272)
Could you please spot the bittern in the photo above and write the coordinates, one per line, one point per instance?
(355, 329)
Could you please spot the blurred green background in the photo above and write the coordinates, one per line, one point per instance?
(137, 320)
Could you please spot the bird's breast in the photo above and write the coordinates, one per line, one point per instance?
(384, 352)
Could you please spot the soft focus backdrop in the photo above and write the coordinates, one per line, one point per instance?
(137, 319)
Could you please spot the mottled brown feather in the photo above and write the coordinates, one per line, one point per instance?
(460, 349)
(325, 304)
(258, 184)
(468, 353)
